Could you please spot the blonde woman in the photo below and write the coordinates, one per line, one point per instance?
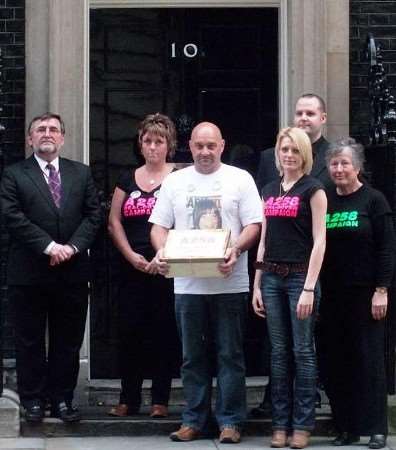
(286, 292)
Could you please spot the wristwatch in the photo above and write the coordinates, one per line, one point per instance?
(381, 290)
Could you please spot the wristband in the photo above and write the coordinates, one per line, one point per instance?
(308, 290)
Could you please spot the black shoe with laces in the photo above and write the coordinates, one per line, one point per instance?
(34, 413)
(66, 412)
(345, 438)
(377, 441)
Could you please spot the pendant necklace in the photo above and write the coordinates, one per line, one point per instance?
(285, 192)
(152, 180)
(158, 175)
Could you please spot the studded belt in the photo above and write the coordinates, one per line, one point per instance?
(281, 269)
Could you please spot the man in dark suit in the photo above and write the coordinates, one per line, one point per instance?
(50, 208)
(310, 115)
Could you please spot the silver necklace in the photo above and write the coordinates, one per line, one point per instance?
(287, 191)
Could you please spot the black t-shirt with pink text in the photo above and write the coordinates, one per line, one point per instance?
(288, 236)
(135, 212)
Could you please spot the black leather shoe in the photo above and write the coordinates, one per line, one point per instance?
(34, 413)
(66, 412)
(377, 441)
(262, 410)
(345, 438)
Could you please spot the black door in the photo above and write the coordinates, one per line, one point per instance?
(215, 64)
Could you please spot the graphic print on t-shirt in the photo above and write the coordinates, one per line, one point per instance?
(204, 212)
(138, 205)
(285, 206)
(344, 219)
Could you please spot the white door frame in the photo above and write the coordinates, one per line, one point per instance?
(282, 45)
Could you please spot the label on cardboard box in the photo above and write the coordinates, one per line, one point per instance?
(195, 253)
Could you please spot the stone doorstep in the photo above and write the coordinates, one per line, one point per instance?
(96, 422)
(102, 394)
(106, 392)
(9, 414)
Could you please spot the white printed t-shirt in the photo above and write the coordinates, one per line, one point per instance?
(228, 199)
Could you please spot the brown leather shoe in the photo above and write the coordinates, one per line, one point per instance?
(185, 434)
(230, 435)
(279, 439)
(300, 439)
(122, 410)
(159, 411)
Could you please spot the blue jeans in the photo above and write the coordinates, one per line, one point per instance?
(204, 321)
(293, 360)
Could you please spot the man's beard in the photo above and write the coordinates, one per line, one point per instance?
(46, 149)
(46, 152)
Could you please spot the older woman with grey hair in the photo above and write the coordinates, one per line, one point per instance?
(356, 274)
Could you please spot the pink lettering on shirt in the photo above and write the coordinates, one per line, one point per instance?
(138, 207)
(282, 206)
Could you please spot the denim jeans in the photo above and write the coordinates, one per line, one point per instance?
(293, 360)
(204, 321)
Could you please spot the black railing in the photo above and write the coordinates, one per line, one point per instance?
(2, 263)
(382, 103)
(381, 159)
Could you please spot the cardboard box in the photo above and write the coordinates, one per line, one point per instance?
(196, 253)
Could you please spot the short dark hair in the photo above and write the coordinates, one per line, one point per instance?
(322, 103)
(47, 116)
(161, 125)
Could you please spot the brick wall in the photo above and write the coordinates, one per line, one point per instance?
(379, 18)
(12, 116)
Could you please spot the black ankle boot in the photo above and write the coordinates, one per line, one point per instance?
(345, 438)
(377, 441)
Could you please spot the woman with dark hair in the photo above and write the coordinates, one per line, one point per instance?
(146, 298)
(207, 215)
(356, 274)
(289, 259)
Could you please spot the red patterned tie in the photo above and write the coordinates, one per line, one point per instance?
(54, 184)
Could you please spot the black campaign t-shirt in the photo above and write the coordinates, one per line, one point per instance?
(360, 239)
(288, 236)
(135, 212)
